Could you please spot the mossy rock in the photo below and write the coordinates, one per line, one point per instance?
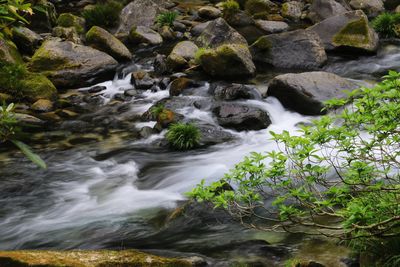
(9, 52)
(69, 20)
(100, 258)
(37, 86)
(257, 6)
(357, 35)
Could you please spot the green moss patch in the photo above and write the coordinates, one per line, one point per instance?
(354, 34)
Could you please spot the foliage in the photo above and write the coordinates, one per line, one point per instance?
(166, 18)
(230, 7)
(157, 110)
(339, 177)
(9, 129)
(183, 136)
(104, 15)
(11, 78)
(387, 24)
(197, 56)
(12, 12)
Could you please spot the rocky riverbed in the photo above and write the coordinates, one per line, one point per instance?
(113, 181)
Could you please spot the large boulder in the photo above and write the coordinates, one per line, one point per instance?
(181, 55)
(349, 31)
(70, 65)
(228, 61)
(299, 49)
(241, 117)
(144, 35)
(26, 40)
(323, 9)
(306, 92)
(217, 33)
(9, 52)
(138, 13)
(104, 41)
(371, 7)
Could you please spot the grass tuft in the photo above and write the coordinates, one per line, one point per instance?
(183, 136)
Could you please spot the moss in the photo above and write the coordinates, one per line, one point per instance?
(101, 258)
(68, 20)
(354, 34)
(9, 52)
(263, 44)
(257, 6)
(105, 15)
(37, 86)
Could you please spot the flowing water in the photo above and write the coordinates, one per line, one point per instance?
(112, 193)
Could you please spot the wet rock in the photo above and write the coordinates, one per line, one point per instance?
(138, 13)
(371, 7)
(236, 56)
(146, 132)
(348, 31)
(142, 80)
(217, 33)
(178, 26)
(306, 92)
(323, 9)
(9, 52)
(229, 92)
(104, 41)
(211, 134)
(26, 119)
(269, 27)
(179, 85)
(163, 84)
(42, 105)
(299, 49)
(144, 35)
(67, 34)
(209, 12)
(68, 65)
(97, 89)
(131, 93)
(181, 55)
(292, 10)
(241, 117)
(160, 64)
(69, 20)
(26, 40)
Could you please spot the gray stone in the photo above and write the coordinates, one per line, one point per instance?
(323, 9)
(371, 7)
(26, 39)
(145, 35)
(181, 55)
(209, 12)
(269, 27)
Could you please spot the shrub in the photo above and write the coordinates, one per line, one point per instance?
(11, 78)
(157, 110)
(103, 15)
(387, 24)
(183, 136)
(230, 7)
(339, 178)
(12, 12)
(166, 18)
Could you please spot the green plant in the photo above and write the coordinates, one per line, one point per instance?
(183, 136)
(230, 7)
(387, 24)
(157, 110)
(340, 177)
(12, 12)
(9, 129)
(166, 18)
(11, 78)
(104, 15)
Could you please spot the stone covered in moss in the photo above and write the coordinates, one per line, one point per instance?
(181, 55)
(86, 259)
(68, 65)
(257, 6)
(69, 20)
(357, 35)
(104, 41)
(227, 61)
(144, 35)
(9, 52)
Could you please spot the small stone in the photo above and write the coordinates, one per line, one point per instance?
(42, 105)
(209, 12)
(142, 80)
(97, 89)
(144, 35)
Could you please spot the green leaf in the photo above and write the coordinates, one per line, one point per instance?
(29, 154)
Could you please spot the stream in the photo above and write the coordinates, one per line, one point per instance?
(116, 192)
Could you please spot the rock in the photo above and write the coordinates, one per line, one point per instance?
(239, 19)
(292, 10)
(209, 12)
(179, 85)
(323, 9)
(299, 49)
(181, 55)
(142, 80)
(25, 119)
(160, 64)
(9, 52)
(259, 6)
(144, 35)
(138, 13)
(26, 40)
(146, 132)
(97, 89)
(86, 258)
(228, 61)
(211, 134)
(251, 33)
(178, 26)
(69, 20)
(349, 31)
(217, 33)
(45, 20)
(241, 117)
(42, 105)
(104, 41)
(305, 92)
(167, 33)
(199, 28)
(67, 34)
(228, 92)
(371, 7)
(67, 64)
(269, 27)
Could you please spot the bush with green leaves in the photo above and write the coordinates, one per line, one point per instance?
(9, 129)
(387, 24)
(166, 18)
(13, 12)
(339, 177)
(183, 136)
(230, 7)
(105, 15)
